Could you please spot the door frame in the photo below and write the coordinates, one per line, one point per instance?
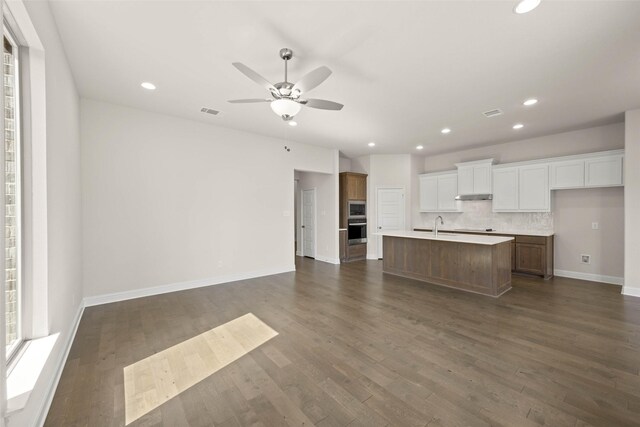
(315, 221)
(404, 214)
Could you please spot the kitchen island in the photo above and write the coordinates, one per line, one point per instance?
(474, 263)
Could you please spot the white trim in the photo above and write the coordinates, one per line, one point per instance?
(614, 280)
(431, 174)
(561, 159)
(327, 259)
(181, 286)
(372, 256)
(315, 220)
(475, 163)
(44, 409)
(299, 253)
(633, 292)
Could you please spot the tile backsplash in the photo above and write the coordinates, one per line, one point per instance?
(478, 215)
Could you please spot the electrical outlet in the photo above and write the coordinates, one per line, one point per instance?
(585, 259)
(595, 226)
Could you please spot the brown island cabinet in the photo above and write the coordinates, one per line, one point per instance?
(531, 254)
(480, 264)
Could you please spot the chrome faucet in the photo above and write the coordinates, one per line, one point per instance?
(435, 228)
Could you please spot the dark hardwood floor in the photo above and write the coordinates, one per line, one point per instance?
(359, 348)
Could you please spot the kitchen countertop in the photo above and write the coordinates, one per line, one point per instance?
(473, 230)
(443, 236)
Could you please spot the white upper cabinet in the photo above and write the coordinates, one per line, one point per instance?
(428, 193)
(447, 192)
(588, 170)
(474, 177)
(521, 189)
(567, 174)
(465, 180)
(505, 189)
(438, 192)
(533, 188)
(482, 179)
(603, 171)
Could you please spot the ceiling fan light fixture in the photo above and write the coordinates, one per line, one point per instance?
(285, 108)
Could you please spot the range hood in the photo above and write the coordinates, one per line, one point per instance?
(465, 197)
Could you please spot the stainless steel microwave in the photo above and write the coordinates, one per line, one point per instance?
(357, 209)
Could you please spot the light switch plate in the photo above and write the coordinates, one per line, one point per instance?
(595, 226)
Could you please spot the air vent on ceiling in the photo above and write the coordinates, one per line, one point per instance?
(493, 113)
(209, 111)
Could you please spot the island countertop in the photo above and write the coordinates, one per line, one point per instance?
(447, 237)
(491, 232)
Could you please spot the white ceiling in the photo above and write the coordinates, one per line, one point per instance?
(404, 70)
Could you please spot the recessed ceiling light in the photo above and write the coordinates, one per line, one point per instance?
(518, 126)
(292, 123)
(445, 131)
(148, 85)
(529, 102)
(371, 144)
(525, 6)
(419, 147)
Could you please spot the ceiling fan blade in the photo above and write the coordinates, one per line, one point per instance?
(323, 104)
(249, 101)
(312, 79)
(254, 76)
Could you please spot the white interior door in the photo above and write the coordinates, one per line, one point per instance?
(390, 212)
(309, 223)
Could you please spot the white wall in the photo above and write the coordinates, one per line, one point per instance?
(573, 211)
(600, 138)
(345, 164)
(326, 220)
(168, 200)
(64, 206)
(386, 171)
(632, 203)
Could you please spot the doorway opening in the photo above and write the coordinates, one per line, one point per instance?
(389, 213)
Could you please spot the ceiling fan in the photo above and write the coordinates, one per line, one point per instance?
(287, 99)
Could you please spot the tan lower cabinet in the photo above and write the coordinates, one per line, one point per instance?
(357, 252)
(343, 245)
(530, 258)
(534, 255)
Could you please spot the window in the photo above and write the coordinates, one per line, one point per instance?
(13, 199)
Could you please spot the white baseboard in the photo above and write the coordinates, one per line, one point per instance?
(298, 253)
(62, 360)
(327, 259)
(614, 280)
(181, 286)
(633, 292)
(372, 256)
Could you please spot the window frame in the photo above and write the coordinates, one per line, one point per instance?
(14, 349)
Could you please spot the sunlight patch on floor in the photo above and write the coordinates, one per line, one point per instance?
(153, 381)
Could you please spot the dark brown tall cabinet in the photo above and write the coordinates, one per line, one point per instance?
(353, 187)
